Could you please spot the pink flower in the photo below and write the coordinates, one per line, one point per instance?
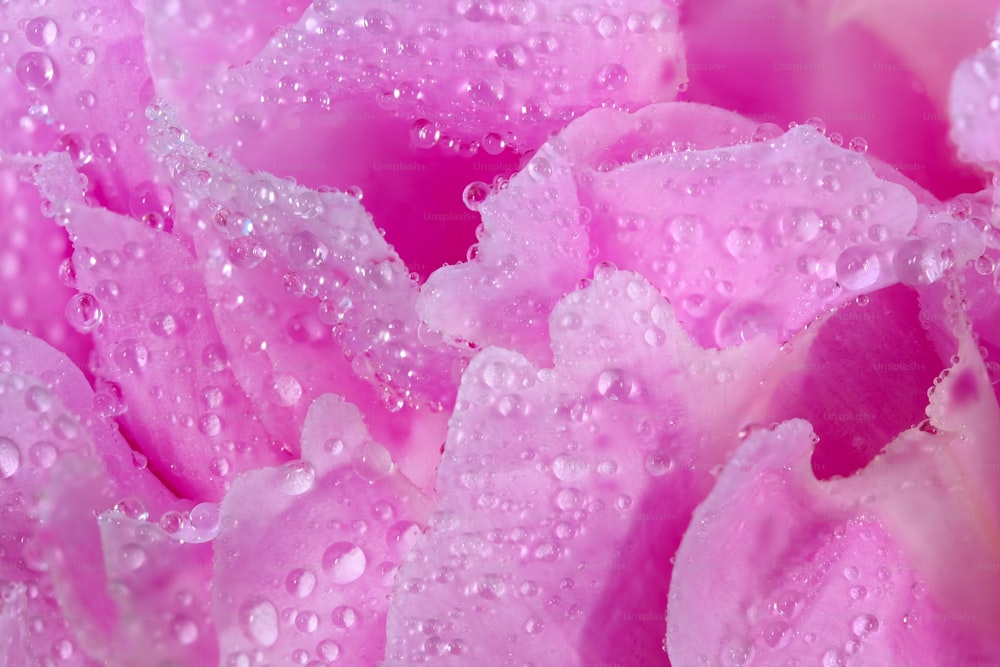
(501, 333)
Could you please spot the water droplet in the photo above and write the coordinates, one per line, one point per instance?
(568, 468)
(328, 650)
(373, 461)
(424, 133)
(185, 630)
(131, 356)
(345, 562)
(511, 55)
(858, 145)
(801, 224)
(658, 464)
(344, 617)
(534, 625)
(741, 321)
(282, 389)
(43, 454)
(917, 264)
(307, 251)
(614, 384)
(858, 267)
(246, 252)
(475, 194)
(686, 229)
(35, 70)
(258, 619)
(401, 537)
(743, 243)
(766, 132)
(132, 556)
(299, 477)
(300, 583)
(612, 77)
(83, 312)
(307, 622)
(864, 625)
(41, 31)
(10, 457)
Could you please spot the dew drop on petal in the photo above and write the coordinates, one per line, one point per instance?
(258, 620)
(10, 457)
(345, 562)
(858, 267)
(917, 264)
(614, 384)
(35, 70)
(83, 312)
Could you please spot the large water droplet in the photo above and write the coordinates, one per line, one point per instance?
(741, 321)
(10, 457)
(345, 562)
(258, 619)
(614, 384)
(917, 264)
(299, 477)
(35, 70)
(743, 243)
(307, 250)
(858, 267)
(83, 312)
(300, 583)
(41, 31)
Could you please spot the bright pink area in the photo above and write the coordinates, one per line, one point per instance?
(864, 380)
(858, 66)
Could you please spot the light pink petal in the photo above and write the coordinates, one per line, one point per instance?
(32, 294)
(563, 492)
(60, 464)
(308, 552)
(509, 72)
(162, 589)
(746, 237)
(895, 565)
(974, 99)
(856, 66)
(190, 43)
(161, 365)
(271, 247)
(75, 80)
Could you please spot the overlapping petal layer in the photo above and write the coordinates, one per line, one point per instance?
(308, 552)
(563, 492)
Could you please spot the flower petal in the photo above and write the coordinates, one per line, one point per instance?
(275, 246)
(901, 556)
(494, 72)
(308, 552)
(76, 77)
(746, 237)
(973, 103)
(163, 368)
(563, 492)
(60, 463)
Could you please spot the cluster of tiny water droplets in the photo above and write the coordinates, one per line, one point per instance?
(329, 250)
(518, 64)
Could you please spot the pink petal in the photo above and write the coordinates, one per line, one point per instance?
(32, 296)
(274, 247)
(77, 82)
(162, 365)
(515, 70)
(747, 238)
(867, 566)
(190, 43)
(975, 96)
(308, 552)
(60, 463)
(162, 590)
(563, 492)
(855, 65)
